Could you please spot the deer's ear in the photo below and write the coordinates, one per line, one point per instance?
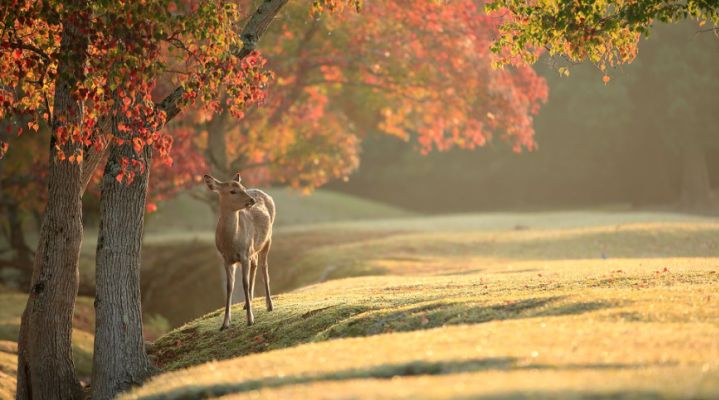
(211, 183)
(237, 178)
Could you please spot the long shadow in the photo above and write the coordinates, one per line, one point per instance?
(570, 394)
(189, 347)
(384, 371)
(441, 313)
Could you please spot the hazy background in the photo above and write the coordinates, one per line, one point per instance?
(623, 142)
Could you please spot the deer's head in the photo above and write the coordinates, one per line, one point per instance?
(233, 196)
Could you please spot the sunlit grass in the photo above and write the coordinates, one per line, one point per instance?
(177, 271)
(8, 369)
(620, 311)
(13, 304)
(535, 305)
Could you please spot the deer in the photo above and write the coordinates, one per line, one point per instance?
(243, 236)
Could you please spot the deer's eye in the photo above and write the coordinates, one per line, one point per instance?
(233, 191)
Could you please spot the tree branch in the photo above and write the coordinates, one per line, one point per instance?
(172, 104)
(255, 28)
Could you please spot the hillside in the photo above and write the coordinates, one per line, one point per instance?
(182, 278)
(620, 306)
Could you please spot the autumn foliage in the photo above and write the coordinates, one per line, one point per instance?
(605, 33)
(131, 46)
(418, 70)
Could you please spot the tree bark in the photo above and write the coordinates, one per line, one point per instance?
(695, 187)
(45, 366)
(119, 360)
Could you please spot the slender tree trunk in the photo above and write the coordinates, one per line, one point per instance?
(45, 366)
(120, 361)
(695, 187)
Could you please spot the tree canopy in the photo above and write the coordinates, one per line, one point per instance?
(604, 32)
(416, 70)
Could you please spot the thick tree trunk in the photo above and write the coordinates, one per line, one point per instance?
(695, 187)
(120, 361)
(45, 366)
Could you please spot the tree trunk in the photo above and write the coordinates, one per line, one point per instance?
(45, 366)
(120, 361)
(695, 187)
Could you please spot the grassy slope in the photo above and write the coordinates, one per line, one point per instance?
(470, 308)
(13, 304)
(187, 266)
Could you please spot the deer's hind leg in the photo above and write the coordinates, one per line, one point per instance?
(246, 287)
(230, 275)
(264, 253)
(253, 275)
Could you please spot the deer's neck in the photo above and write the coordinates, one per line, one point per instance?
(227, 227)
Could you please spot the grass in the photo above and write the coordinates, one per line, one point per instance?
(624, 306)
(184, 269)
(13, 304)
(506, 305)
(8, 369)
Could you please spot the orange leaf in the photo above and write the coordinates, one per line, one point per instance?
(137, 145)
(3, 148)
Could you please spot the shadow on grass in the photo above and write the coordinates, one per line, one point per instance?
(571, 394)
(383, 371)
(286, 327)
(443, 312)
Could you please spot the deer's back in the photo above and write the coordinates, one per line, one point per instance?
(260, 218)
(263, 199)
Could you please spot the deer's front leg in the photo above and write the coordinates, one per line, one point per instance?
(230, 275)
(246, 288)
